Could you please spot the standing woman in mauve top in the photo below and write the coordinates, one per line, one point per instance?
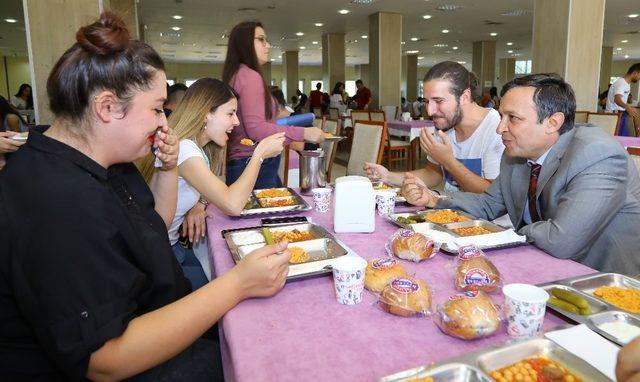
(248, 50)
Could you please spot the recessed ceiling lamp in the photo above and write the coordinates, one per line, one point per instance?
(626, 56)
(303, 47)
(420, 57)
(618, 48)
(364, 36)
(343, 11)
(176, 28)
(493, 34)
(454, 48)
(414, 39)
(515, 13)
(509, 43)
(633, 15)
(273, 59)
(462, 62)
(445, 31)
(412, 51)
(426, 17)
(361, 1)
(448, 7)
(318, 24)
(509, 51)
(441, 45)
(299, 34)
(11, 21)
(177, 17)
(402, 42)
(314, 42)
(624, 41)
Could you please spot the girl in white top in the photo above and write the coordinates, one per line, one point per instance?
(202, 122)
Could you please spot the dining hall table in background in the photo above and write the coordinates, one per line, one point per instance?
(302, 333)
(410, 129)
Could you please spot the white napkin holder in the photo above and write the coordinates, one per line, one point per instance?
(406, 116)
(354, 204)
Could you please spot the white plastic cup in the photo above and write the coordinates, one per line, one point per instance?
(321, 199)
(386, 201)
(348, 279)
(525, 306)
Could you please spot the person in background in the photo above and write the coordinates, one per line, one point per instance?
(23, 99)
(618, 95)
(337, 98)
(465, 151)
(175, 93)
(10, 118)
(494, 101)
(416, 108)
(303, 101)
(326, 100)
(363, 96)
(202, 122)
(628, 365)
(573, 191)
(404, 105)
(90, 286)
(284, 110)
(315, 97)
(248, 50)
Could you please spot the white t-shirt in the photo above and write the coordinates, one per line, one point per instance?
(480, 153)
(619, 87)
(187, 195)
(335, 101)
(417, 108)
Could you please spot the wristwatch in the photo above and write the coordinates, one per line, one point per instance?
(203, 201)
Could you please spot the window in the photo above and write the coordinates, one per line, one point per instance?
(170, 82)
(523, 67)
(613, 79)
(350, 88)
(301, 85)
(189, 82)
(420, 89)
(313, 85)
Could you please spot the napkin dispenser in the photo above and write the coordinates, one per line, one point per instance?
(406, 116)
(354, 205)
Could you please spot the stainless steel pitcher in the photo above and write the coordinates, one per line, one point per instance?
(312, 173)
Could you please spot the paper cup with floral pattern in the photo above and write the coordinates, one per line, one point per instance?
(524, 307)
(321, 199)
(348, 279)
(386, 201)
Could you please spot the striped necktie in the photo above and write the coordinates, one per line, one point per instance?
(533, 185)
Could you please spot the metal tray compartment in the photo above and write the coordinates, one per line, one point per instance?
(595, 304)
(494, 360)
(452, 372)
(254, 206)
(284, 190)
(594, 322)
(493, 228)
(461, 213)
(320, 249)
(317, 231)
(268, 202)
(590, 283)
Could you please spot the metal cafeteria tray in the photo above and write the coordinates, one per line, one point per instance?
(423, 213)
(602, 311)
(334, 138)
(491, 227)
(321, 249)
(478, 365)
(596, 320)
(254, 205)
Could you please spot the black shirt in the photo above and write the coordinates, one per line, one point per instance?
(83, 253)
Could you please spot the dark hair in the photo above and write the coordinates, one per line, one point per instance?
(278, 95)
(319, 85)
(175, 88)
(103, 57)
(552, 95)
(359, 82)
(241, 50)
(460, 79)
(5, 109)
(336, 88)
(634, 68)
(21, 89)
(493, 92)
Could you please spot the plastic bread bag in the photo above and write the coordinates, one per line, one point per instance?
(410, 245)
(473, 271)
(381, 271)
(406, 297)
(468, 316)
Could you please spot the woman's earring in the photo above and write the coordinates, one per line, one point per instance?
(205, 126)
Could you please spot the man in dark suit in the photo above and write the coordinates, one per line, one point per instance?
(573, 191)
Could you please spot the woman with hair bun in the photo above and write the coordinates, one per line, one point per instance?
(248, 50)
(90, 286)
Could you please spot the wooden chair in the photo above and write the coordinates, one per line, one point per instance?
(334, 113)
(318, 122)
(581, 116)
(359, 115)
(391, 113)
(398, 150)
(368, 145)
(634, 152)
(377, 115)
(609, 122)
(330, 148)
(317, 111)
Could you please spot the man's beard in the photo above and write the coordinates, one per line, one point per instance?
(457, 117)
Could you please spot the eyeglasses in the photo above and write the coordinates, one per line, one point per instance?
(263, 40)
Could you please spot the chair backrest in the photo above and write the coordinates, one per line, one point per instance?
(334, 113)
(330, 126)
(581, 116)
(634, 152)
(329, 148)
(318, 122)
(377, 115)
(317, 111)
(609, 122)
(391, 113)
(367, 146)
(359, 115)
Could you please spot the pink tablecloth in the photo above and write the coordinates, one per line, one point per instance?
(629, 141)
(407, 126)
(303, 334)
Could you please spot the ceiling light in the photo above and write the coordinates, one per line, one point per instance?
(364, 36)
(343, 11)
(303, 47)
(633, 15)
(509, 51)
(314, 42)
(626, 56)
(273, 59)
(176, 28)
(441, 45)
(318, 24)
(414, 39)
(454, 48)
(624, 41)
(11, 20)
(420, 57)
(445, 31)
(412, 51)
(509, 43)
(402, 43)
(177, 17)
(618, 48)
(493, 34)
(426, 17)
(462, 62)
(299, 34)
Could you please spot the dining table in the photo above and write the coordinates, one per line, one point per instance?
(302, 333)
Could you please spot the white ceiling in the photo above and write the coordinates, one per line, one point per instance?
(205, 21)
